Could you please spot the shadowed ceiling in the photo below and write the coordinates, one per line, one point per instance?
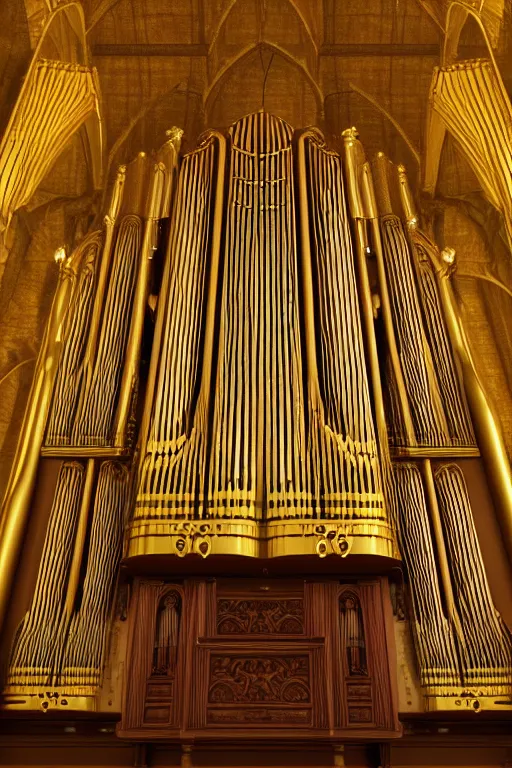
(202, 64)
(205, 63)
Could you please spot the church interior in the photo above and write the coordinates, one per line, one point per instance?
(256, 383)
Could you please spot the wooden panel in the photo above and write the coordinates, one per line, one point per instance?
(260, 617)
(156, 714)
(360, 715)
(308, 656)
(160, 690)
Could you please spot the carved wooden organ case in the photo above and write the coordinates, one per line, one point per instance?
(256, 366)
(259, 654)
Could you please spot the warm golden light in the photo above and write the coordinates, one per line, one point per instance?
(60, 255)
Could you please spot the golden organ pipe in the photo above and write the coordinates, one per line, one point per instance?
(16, 504)
(488, 433)
(489, 436)
(160, 198)
(435, 518)
(81, 533)
(214, 269)
(99, 300)
(372, 213)
(163, 298)
(307, 282)
(357, 210)
(131, 363)
(407, 199)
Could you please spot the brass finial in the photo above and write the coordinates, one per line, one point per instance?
(174, 134)
(60, 255)
(448, 262)
(448, 255)
(350, 134)
(407, 198)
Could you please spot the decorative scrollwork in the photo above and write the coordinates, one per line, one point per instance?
(270, 617)
(333, 540)
(189, 537)
(256, 679)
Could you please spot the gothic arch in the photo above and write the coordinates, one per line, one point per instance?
(457, 16)
(64, 31)
(223, 75)
(62, 44)
(230, 7)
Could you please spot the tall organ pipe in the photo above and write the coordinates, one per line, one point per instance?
(16, 504)
(163, 298)
(372, 213)
(353, 161)
(94, 328)
(209, 333)
(489, 435)
(307, 283)
(488, 432)
(149, 244)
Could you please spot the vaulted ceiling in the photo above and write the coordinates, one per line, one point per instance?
(204, 63)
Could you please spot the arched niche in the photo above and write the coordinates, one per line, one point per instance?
(243, 22)
(63, 36)
(167, 632)
(462, 24)
(352, 633)
(264, 76)
(462, 18)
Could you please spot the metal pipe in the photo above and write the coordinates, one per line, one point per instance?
(99, 298)
(353, 154)
(439, 538)
(486, 423)
(132, 358)
(163, 298)
(18, 495)
(81, 531)
(307, 280)
(370, 205)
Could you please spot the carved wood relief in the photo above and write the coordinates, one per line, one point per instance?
(260, 688)
(205, 656)
(272, 617)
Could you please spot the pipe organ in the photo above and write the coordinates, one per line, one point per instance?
(261, 425)
(255, 419)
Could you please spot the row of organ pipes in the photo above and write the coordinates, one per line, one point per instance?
(295, 387)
